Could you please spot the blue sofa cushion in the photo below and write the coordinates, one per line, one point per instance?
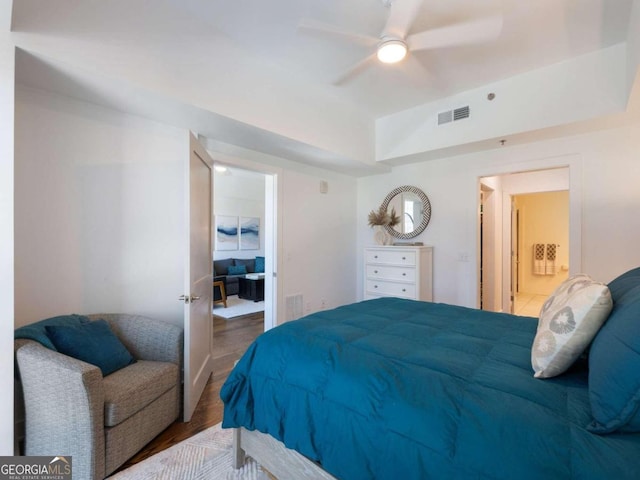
(220, 267)
(36, 331)
(259, 264)
(614, 361)
(237, 270)
(92, 342)
(249, 263)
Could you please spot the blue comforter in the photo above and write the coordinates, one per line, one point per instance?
(393, 388)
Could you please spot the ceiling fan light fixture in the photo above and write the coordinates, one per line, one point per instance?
(392, 51)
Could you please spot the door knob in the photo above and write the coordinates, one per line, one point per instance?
(188, 298)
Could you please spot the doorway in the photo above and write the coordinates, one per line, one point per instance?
(540, 245)
(518, 211)
(245, 199)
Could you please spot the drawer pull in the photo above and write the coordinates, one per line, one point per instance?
(375, 256)
(404, 274)
(375, 286)
(404, 289)
(404, 258)
(375, 271)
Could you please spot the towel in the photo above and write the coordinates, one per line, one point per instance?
(538, 259)
(550, 264)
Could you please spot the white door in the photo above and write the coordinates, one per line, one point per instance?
(198, 321)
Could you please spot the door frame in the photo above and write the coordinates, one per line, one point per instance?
(514, 256)
(490, 251)
(273, 315)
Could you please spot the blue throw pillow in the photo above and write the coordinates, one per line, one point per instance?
(36, 331)
(237, 270)
(614, 363)
(259, 264)
(92, 342)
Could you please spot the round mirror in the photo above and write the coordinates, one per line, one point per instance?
(413, 209)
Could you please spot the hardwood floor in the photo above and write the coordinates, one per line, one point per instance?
(230, 340)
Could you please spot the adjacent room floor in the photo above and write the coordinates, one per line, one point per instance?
(529, 304)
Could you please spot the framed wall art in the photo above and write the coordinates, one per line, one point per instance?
(249, 233)
(226, 232)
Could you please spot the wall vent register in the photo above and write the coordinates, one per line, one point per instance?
(453, 115)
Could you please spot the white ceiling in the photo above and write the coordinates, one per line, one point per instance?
(262, 42)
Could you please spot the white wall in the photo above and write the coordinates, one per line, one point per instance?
(610, 198)
(99, 198)
(319, 116)
(319, 239)
(99, 211)
(7, 73)
(240, 194)
(582, 88)
(633, 45)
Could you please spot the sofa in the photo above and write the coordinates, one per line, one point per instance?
(230, 280)
(101, 421)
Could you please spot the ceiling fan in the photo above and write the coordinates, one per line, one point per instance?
(394, 43)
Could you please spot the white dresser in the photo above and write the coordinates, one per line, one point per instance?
(398, 272)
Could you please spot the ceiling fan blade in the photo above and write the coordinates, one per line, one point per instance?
(313, 27)
(355, 70)
(402, 13)
(464, 33)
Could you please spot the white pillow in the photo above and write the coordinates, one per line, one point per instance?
(569, 320)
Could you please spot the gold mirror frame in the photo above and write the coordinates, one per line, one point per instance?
(426, 212)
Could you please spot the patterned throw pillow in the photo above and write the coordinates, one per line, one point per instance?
(569, 320)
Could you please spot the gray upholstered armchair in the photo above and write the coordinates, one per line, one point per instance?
(101, 422)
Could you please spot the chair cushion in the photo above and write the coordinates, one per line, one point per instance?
(36, 331)
(132, 388)
(92, 342)
(569, 319)
(259, 264)
(614, 362)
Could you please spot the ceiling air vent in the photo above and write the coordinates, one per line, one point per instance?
(460, 113)
(453, 115)
(445, 117)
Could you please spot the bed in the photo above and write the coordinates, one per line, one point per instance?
(394, 388)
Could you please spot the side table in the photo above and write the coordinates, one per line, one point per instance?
(251, 288)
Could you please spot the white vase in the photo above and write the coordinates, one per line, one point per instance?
(380, 235)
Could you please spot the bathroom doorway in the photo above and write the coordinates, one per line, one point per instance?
(540, 225)
(518, 211)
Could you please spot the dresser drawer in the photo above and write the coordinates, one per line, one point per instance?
(394, 289)
(384, 272)
(391, 257)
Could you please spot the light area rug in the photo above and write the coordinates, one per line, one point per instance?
(207, 455)
(237, 307)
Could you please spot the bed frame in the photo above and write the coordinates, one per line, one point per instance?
(282, 462)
